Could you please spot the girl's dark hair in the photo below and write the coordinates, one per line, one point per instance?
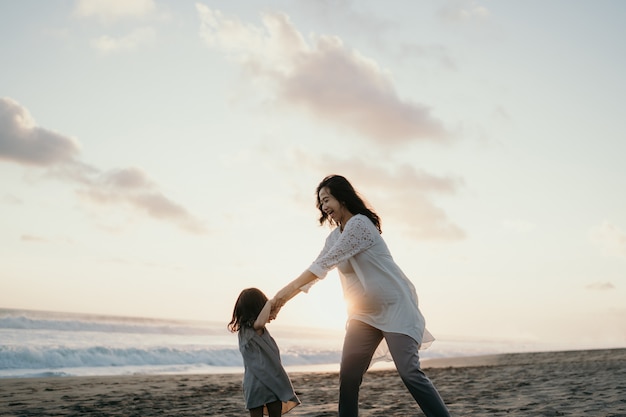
(344, 192)
(247, 308)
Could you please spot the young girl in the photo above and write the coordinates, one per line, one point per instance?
(266, 386)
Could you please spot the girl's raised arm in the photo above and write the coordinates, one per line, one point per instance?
(264, 316)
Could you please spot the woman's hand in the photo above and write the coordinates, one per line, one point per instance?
(276, 306)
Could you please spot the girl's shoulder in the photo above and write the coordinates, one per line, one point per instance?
(245, 333)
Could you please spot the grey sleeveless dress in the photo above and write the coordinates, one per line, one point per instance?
(265, 380)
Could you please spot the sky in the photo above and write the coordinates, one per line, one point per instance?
(157, 157)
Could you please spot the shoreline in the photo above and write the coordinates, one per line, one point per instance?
(564, 383)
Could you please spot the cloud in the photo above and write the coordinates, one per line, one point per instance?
(112, 11)
(610, 239)
(133, 40)
(601, 286)
(33, 239)
(23, 142)
(330, 81)
(109, 10)
(129, 187)
(345, 13)
(464, 11)
(10, 199)
(348, 16)
(403, 195)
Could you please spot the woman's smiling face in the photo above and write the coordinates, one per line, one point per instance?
(332, 207)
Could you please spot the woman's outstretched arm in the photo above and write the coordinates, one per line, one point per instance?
(291, 290)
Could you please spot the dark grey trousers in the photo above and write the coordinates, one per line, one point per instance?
(359, 345)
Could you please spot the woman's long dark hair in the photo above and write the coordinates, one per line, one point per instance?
(247, 308)
(340, 188)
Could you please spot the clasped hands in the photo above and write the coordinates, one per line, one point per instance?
(281, 298)
(277, 304)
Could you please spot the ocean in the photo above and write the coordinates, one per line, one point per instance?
(52, 344)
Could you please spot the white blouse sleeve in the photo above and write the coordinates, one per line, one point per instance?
(327, 245)
(358, 235)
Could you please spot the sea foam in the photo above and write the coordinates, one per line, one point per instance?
(34, 343)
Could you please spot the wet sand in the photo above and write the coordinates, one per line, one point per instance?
(572, 383)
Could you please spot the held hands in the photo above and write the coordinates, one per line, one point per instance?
(281, 298)
(277, 304)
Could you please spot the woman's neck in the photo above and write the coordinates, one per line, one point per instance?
(344, 220)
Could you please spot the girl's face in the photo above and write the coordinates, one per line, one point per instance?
(333, 208)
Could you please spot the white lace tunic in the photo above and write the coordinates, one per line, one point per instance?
(375, 288)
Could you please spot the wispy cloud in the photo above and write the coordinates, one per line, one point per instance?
(610, 239)
(464, 11)
(404, 194)
(112, 12)
(323, 76)
(350, 16)
(600, 286)
(10, 199)
(23, 142)
(138, 37)
(132, 187)
(109, 10)
(33, 239)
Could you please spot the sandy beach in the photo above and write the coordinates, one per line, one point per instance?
(572, 383)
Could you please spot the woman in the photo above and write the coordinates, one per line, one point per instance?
(382, 302)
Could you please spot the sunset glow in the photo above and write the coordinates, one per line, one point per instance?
(158, 157)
